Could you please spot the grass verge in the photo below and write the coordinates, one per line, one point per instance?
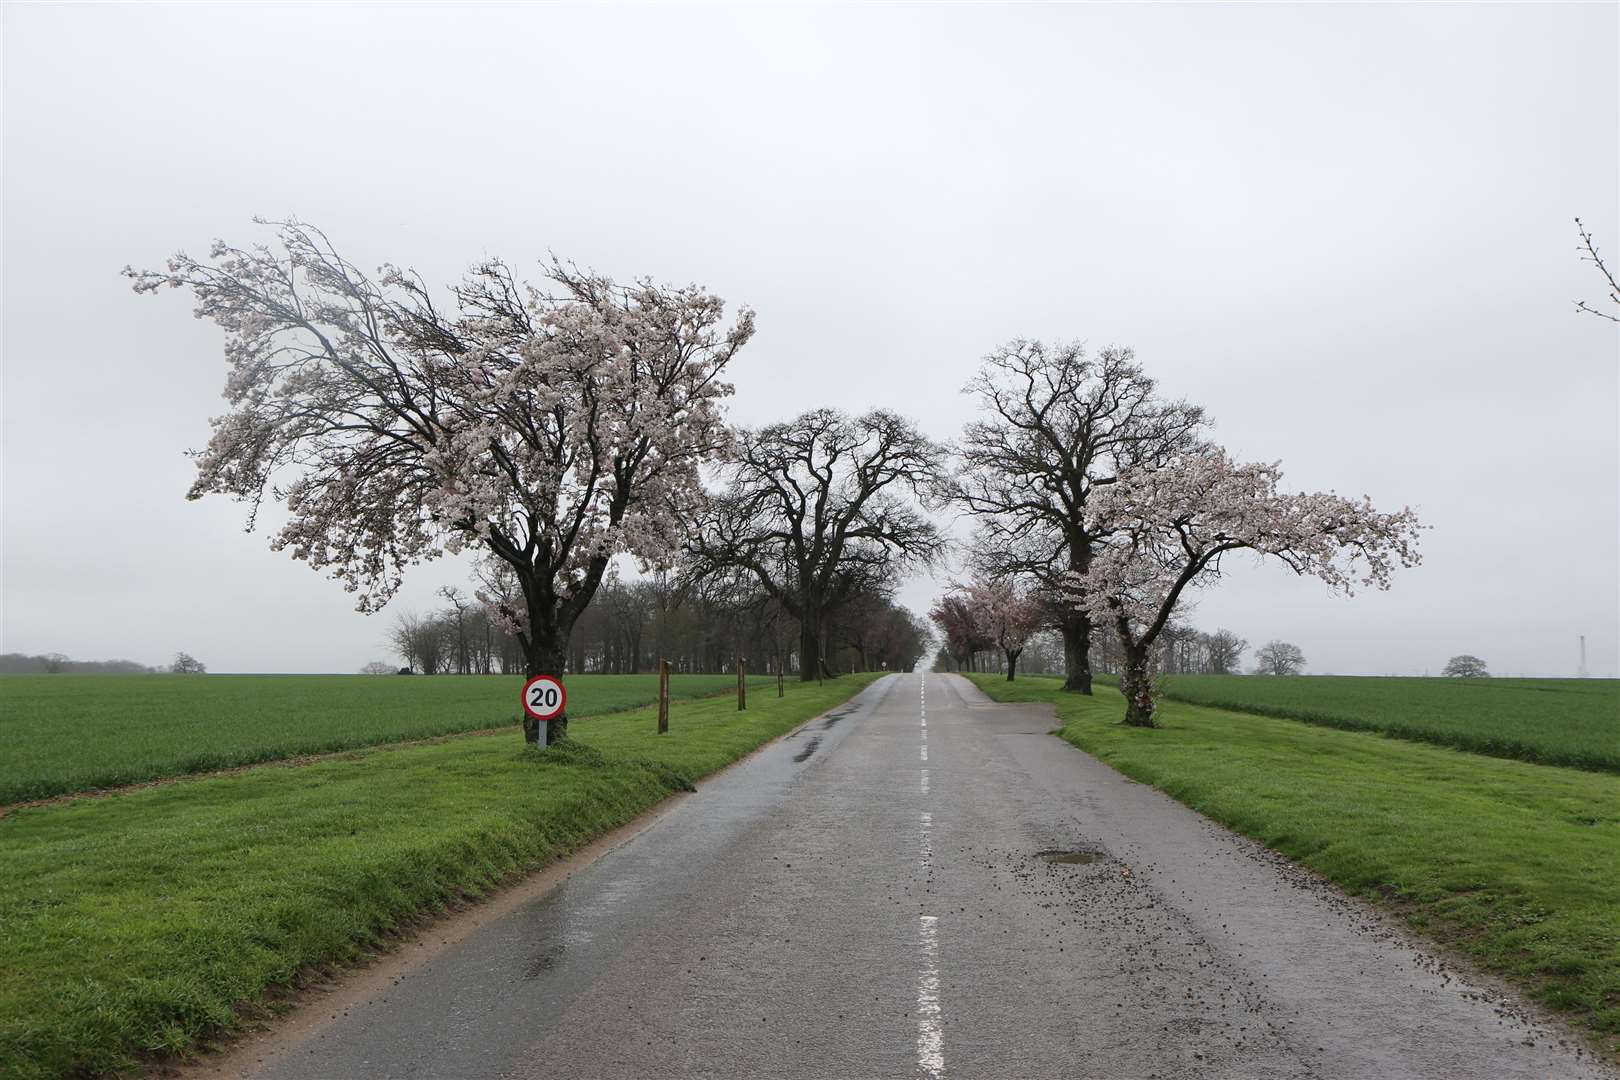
(67, 733)
(136, 925)
(1515, 865)
(1573, 722)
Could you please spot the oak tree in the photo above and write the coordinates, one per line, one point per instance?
(821, 509)
(1465, 666)
(1223, 652)
(1279, 658)
(1057, 427)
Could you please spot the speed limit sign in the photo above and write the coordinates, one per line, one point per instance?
(544, 697)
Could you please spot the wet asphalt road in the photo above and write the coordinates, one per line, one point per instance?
(865, 899)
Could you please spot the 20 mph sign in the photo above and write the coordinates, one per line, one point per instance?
(544, 697)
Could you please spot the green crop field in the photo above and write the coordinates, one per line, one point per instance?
(137, 924)
(66, 733)
(1574, 722)
(1514, 864)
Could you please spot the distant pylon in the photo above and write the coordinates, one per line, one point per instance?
(1583, 656)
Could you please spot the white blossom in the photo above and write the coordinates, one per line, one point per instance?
(551, 429)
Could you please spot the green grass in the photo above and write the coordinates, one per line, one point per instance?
(67, 733)
(1515, 864)
(1574, 722)
(137, 924)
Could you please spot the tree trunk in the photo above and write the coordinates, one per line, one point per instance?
(809, 651)
(1076, 628)
(1012, 662)
(543, 659)
(663, 697)
(1137, 686)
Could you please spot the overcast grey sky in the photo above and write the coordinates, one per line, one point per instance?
(1344, 230)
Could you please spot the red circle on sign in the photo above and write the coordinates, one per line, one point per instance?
(545, 697)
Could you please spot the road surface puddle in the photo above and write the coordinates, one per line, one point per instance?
(543, 961)
(1069, 858)
(809, 749)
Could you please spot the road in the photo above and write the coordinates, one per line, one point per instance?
(867, 898)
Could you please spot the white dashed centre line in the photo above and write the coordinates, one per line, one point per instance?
(930, 1030)
(930, 1026)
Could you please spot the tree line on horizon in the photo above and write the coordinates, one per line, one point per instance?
(59, 664)
(1181, 649)
(633, 625)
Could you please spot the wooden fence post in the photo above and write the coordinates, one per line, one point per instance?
(742, 687)
(663, 696)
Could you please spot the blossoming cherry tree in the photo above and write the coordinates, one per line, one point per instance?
(1174, 524)
(552, 427)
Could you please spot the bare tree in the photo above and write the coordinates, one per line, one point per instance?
(1223, 652)
(901, 641)
(815, 510)
(420, 641)
(1589, 253)
(1279, 658)
(498, 589)
(378, 667)
(1057, 427)
(458, 617)
(1174, 641)
(186, 664)
(626, 609)
(551, 429)
(1465, 666)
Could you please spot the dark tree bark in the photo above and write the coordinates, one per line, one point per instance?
(544, 658)
(1136, 643)
(1136, 683)
(809, 650)
(1076, 628)
(551, 622)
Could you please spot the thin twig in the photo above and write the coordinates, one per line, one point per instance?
(1591, 255)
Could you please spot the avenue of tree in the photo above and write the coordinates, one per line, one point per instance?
(570, 430)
